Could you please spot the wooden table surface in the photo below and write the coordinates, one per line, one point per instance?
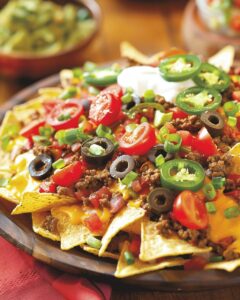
(151, 26)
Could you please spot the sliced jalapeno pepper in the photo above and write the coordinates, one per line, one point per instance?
(139, 107)
(179, 67)
(210, 76)
(182, 174)
(101, 77)
(196, 100)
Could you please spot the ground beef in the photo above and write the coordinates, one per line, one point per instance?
(65, 191)
(196, 157)
(227, 95)
(50, 224)
(230, 255)
(219, 165)
(39, 149)
(224, 143)
(161, 100)
(232, 185)
(150, 174)
(94, 179)
(191, 123)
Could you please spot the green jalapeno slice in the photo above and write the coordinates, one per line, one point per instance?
(101, 77)
(196, 100)
(179, 67)
(210, 76)
(182, 174)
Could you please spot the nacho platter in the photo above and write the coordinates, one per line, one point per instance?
(174, 278)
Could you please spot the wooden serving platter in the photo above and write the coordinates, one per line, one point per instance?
(18, 231)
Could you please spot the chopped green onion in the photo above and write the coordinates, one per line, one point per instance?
(46, 131)
(143, 120)
(131, 127)
(141, 106)
(70, 136)
(209, 191)
(216, 258)
(211, 208)
(162, 134)
(89, 66)
(68, 93)
(59, 164)
(77, 73)
(232, 121)
(64, 117)
(218, 182)
(106, 132)
(93, 242)
(42, 140)
(3, 182)
(129, 258)
(230, 108)
(149, 96)
(127, 98)
(161, 118)
(159, 160)
(232, 212)
(12, 130)
(97, 150)
(173, 143)
(129, 178)
(129, 90)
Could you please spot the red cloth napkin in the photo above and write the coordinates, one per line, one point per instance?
(23, 278)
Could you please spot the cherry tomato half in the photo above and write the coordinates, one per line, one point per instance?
(105, 108)
(114, 89)
(204, 143)
(32, 129)
(178, 113)
(187, 138)
(49, 105)
(69, 175)
(139, 141)
(189, 210)
(65, 115)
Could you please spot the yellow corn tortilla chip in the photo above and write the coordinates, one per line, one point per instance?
(38, 220)
(130, 52)
(7, 195)
(134, 227)
(96, 252)
(36, 202)
(24, 111)
(235, 152)
(224, 58)
(139, 267)
(9, 119)
(154, 245)
(224, 265)
(125, 217)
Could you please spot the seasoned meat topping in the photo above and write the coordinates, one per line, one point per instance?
(219, 165)
(191, 123)
(161, 100)
(50, 224)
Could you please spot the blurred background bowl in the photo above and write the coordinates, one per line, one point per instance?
(30, 66)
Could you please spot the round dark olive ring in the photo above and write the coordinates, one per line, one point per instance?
(160, 200)
(156, 151)
(41, 167)
(213, 122)
(121, 166)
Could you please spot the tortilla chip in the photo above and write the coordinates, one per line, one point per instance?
(134, 227)
(95, 251)
(235, 152)
(9, 119)
(7, 195)
(24, 111)
(125, 217)
(38, 220)
(224, 58)
(130, 52)
(139, 267)
(154, 246)
(36, 202)
(224, 265)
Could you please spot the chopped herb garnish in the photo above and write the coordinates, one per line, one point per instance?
(59, 164)
(129, 258)
(211, 208)
(129, 178)
(209, 191)
(232, 212)
(96, 150)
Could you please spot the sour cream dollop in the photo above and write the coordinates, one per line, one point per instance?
(142, 78)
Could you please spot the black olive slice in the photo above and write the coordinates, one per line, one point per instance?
(135, 100)
(160, 201)
(121, 166)
(41, 167)
(213, 121)
(156, 151)
(101, 159)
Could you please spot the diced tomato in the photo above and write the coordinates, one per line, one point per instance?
(114, 89)
(82, 194)
(187, 138)
(190, 210)
(102, 193)
(195, 263)
(49, 105)
(139, 141)
(69, 175)
(65, 115)
(116, 203)
(170, 128)
(204, 143)
(178, 113)
(93, 223)
(47, 187)
(236, 96)
(234, 194)
(235, 23)
(32, 129)
(105, 108)
(136, 186)
(135, 245)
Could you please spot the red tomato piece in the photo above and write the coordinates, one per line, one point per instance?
(65, 115)
(32, 129)
(102, 193)
(93, 223)
(178, 113)
(69, 175)
(235, 23)
(170, 128)
(105, 109)
(135, 245)
(236, 96)
(204, 143)
(47, 187)
(187, 138)
(139, 141)
(195, 263)
(116, 203)
(189, 210)
(114, 89)
(49, 105)
(234, 194)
